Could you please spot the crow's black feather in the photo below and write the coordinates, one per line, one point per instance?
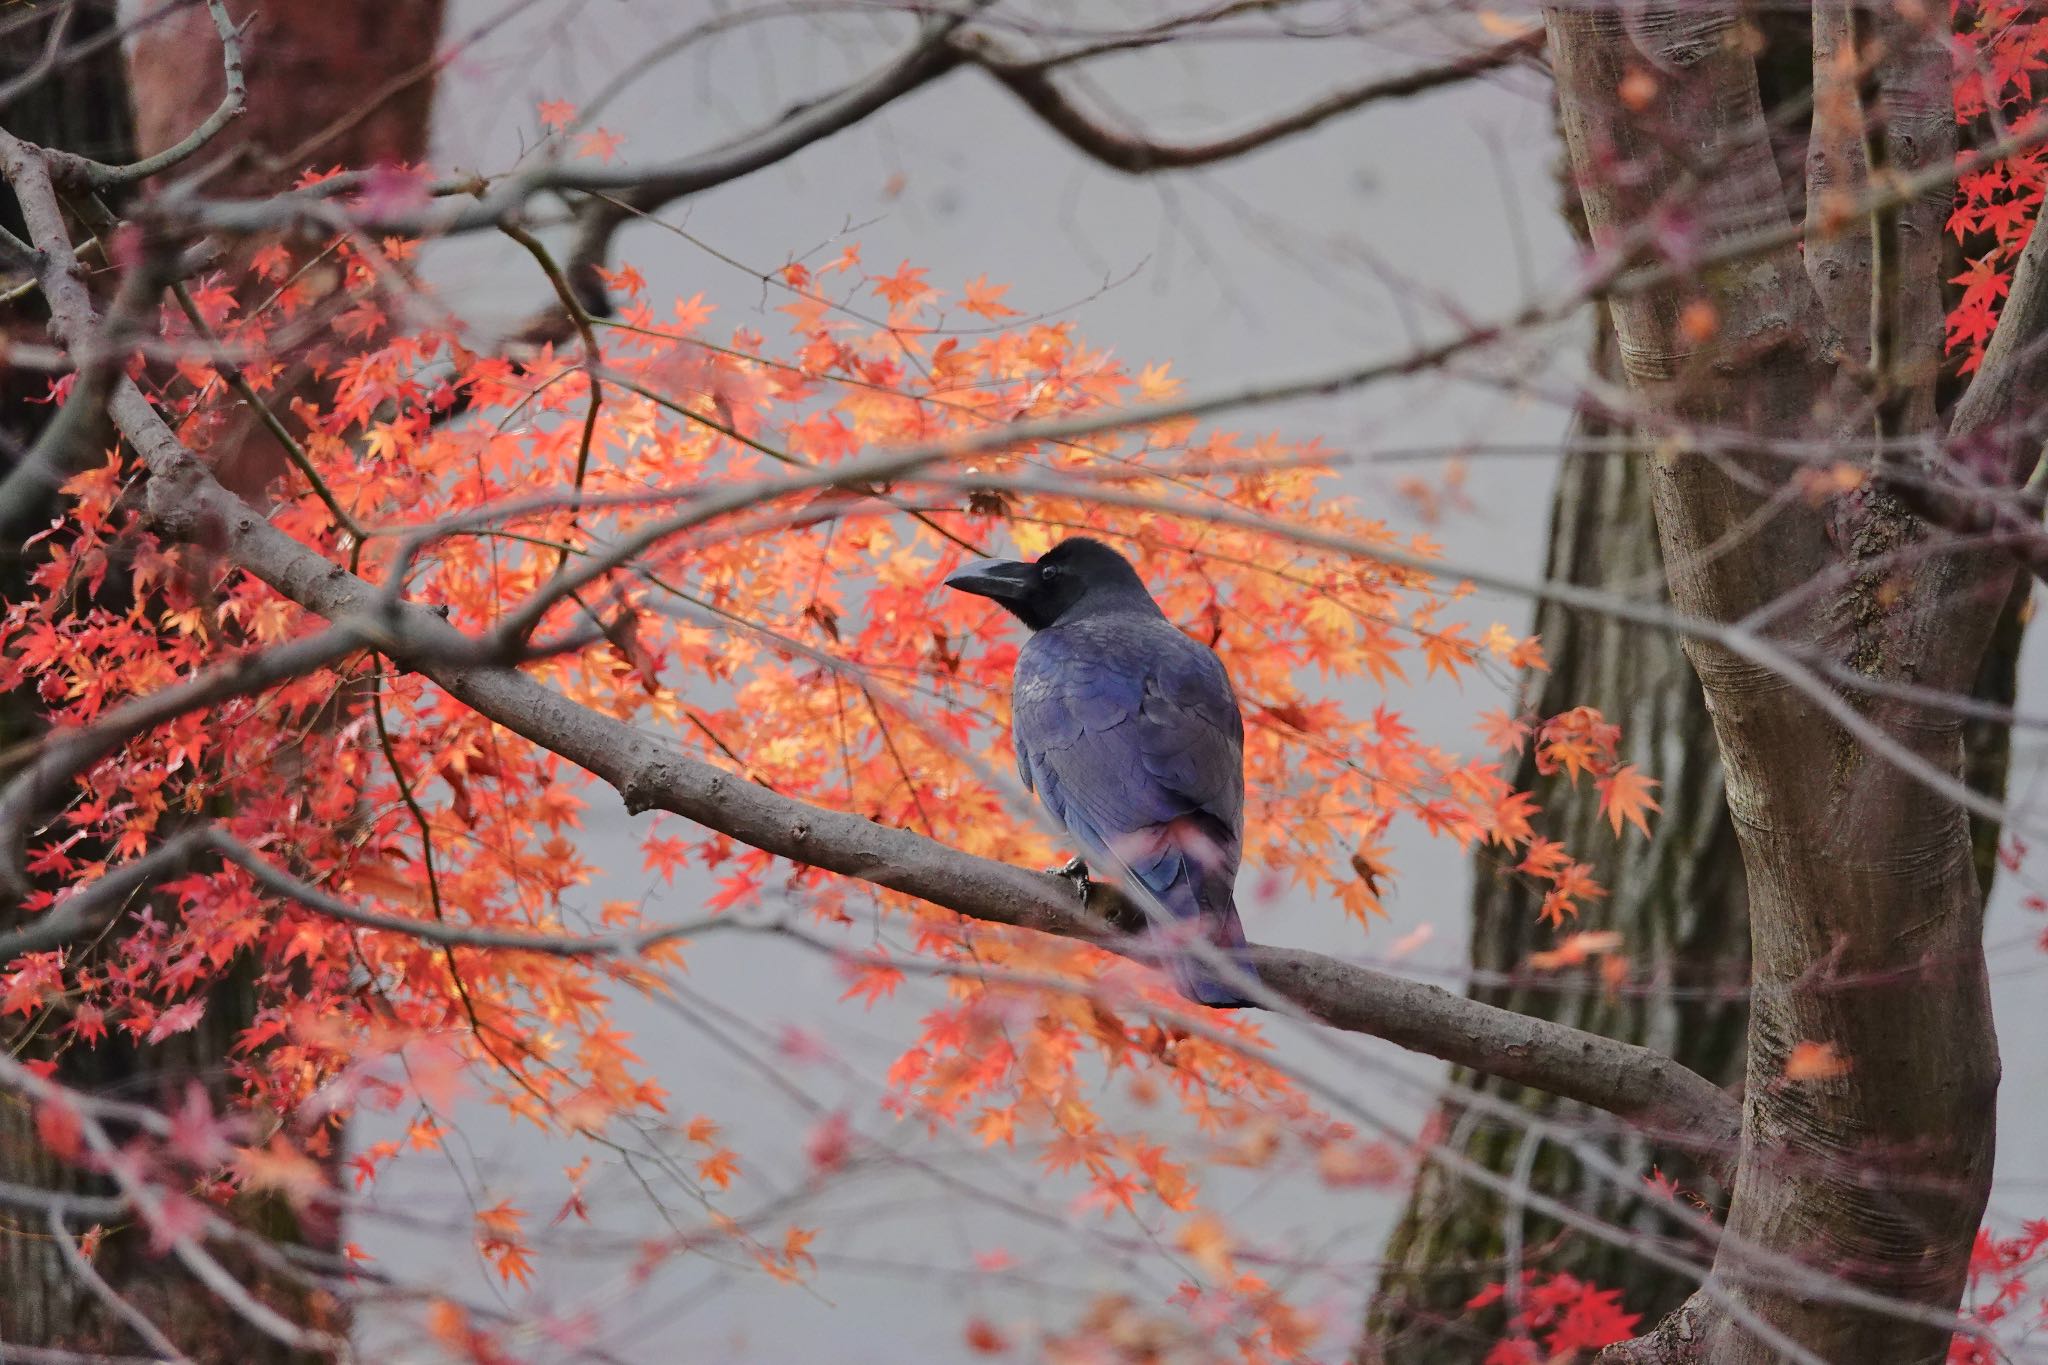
(1130, 734)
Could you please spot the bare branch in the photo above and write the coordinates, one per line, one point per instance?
(81, 908)
(46, 62)
(1031, 81)
(67, 1246)
(90, 174)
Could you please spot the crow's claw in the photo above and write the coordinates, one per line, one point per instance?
(1075, 870)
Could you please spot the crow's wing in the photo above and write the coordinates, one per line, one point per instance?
(1130, 734)
(1124, 727)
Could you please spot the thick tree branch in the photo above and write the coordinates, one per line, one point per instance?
(1630, 1082)
(86, 173)
(1620, 1078)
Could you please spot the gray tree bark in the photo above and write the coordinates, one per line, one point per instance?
(1685, 894)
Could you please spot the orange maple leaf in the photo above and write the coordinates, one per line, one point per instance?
(1625, 795)
(281, 1167)
(980, 297)
(1207, 1243)
(1576, 949)
(601, 143)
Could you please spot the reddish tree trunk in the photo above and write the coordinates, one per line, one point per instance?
(328, 83)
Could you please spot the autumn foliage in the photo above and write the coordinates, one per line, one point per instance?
(803, 643)
(2001, 47)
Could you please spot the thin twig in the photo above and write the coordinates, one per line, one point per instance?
(86, 172)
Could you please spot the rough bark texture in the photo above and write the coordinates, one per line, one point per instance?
(81, 105)
(1678, 901)
(1686, 891)
(1865, 911)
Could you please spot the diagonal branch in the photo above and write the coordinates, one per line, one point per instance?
(1628, 1081)
(86, 173)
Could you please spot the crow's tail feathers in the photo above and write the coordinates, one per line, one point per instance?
(1190, 875)
(1204, 984)
(1206, 981)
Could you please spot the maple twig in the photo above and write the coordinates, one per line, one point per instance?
(83, 907)
(438, 931)
(591, 357)
(305, 892)
(780, 456)
(239, 382)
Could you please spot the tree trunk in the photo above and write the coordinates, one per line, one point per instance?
(81, 105)
(1860, 1188)
(326, 89)
(1677, 899)
(1679, 902)
(1684, 895)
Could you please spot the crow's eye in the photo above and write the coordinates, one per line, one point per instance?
(1047, 573)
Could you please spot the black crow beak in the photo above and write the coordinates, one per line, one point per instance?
(1005, 580)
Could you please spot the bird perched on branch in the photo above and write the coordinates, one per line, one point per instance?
(1129, 733)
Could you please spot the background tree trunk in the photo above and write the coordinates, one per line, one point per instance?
(1679, 902)
(1676, 898)
(329, 83)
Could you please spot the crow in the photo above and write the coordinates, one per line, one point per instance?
(1130, 734)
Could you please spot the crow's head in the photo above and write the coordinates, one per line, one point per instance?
(1075, 578)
